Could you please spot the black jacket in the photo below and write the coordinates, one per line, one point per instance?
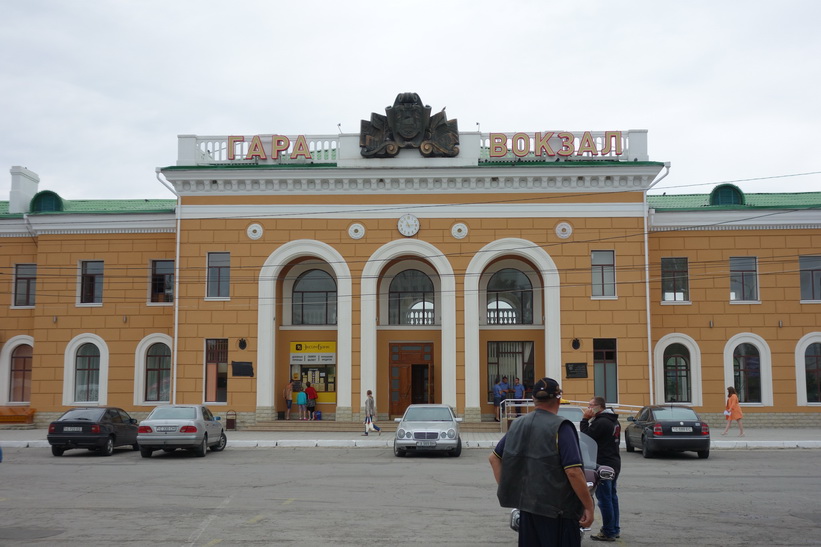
(604, 428)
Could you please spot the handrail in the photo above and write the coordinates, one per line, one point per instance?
(510, 409)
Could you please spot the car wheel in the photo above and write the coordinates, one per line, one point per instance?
(168, 450)
(628, 445)
(458, 452)
(57, 450)
(398, 452)
(202, 448)
(145, 452)
(704, 454)
(221, 444)
(108, 448)
(645, 450)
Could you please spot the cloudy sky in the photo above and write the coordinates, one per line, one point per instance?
(94, 93)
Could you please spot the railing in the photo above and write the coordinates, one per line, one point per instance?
(256, 149)
(510, 409)
(567, 146)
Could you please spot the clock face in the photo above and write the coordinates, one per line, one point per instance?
(408, 225)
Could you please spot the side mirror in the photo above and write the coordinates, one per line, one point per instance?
(397, 420)
(218, 418)
(459, 420)
(132, 421)
(631, 419)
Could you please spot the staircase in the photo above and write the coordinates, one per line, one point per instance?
(325, 426)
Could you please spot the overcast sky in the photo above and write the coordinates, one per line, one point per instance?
(94, 93)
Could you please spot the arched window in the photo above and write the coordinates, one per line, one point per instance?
(677, 374)
(314, 299)
(87, 373)
(46, 202)
(812, 361)
(509, 298)
(20, 384)
(411, 299)
(727, 194)
(747, 373)
(158, 373)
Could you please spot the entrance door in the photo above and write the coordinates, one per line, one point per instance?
(412, 376)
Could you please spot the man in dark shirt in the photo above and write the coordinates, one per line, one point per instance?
(542, 473)
(602, 424)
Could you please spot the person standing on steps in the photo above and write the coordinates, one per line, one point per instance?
(370, 412)
(288, 393)
(310, 391)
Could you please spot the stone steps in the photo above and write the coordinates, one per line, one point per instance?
(325, 425)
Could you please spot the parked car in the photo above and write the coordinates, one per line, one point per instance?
(425, 428)
(572, 413)
(667, 428)
(94, 428)
(191, 427)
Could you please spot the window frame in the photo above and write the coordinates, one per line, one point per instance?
(525, 297)
(167, 279)
(677, 279)
(810, 278)
(602, 357)
(26, 374)
(330, 305)
(90, 284)
(396, 298)
(222, 283)
(744, 276)
(524, 368)
(30, 285)
(216, 358)
(599, 281)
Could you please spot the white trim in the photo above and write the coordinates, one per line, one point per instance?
(800, 367)
(371, 275)
(267, 325)
(696, 388)
(140, 354)
(765, 356)
(551, 284)
(69, 358)
(5, 365)
(421, 210)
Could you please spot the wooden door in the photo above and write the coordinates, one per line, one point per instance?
(411, 376)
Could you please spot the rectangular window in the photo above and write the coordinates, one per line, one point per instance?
(810, 277)
(604, 273)
(216, 370)
(511, 359)
(219, 275)
(743, 279)
(91, 282)
(162, 280)
(675, 282)
(25, 283)
(605, 370)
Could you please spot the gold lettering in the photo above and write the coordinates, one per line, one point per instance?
(609, 138)
(498, 145)
(543, 144)
(255, 149)
(301, 148)
(279, 144)
(232, 146)
(568, 144)
(587, 144)
(520, 145)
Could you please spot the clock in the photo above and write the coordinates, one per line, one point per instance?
(408, 225)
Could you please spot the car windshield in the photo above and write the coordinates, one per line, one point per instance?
(174, 413)
(428, 414)
(572, 413)
(674, 413)
(90, 414)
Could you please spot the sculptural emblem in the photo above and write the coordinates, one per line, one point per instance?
(408, 124)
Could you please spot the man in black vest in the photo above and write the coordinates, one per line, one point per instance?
(538, 468)
(602, 424)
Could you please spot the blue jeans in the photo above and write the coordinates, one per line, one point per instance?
(609, 507)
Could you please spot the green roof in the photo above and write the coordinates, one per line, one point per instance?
(104, 206)
(700, 202)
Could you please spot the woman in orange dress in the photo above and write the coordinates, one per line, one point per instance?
(732, 411)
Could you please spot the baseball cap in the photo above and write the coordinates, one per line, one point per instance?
(546, 388)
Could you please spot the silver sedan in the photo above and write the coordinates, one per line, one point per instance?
(426, 428)
(191, 427)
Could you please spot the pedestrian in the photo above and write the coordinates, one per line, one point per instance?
(732, 411)
(519, 394)
(602, 424)
(539, 470)
(310, 391)
(302, 401)
(500, 390)
(370, 412)
(288, 393)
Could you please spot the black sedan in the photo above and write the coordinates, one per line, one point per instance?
(667, 428)
(94, 428)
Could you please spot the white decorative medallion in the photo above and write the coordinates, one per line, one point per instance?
(564, 230)
(356, 231)
(459, 230)
(408, 225)
(254, 231)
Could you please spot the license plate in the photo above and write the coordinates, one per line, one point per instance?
(166, 428)
(425, 443)
(72, 428)
(682, 430)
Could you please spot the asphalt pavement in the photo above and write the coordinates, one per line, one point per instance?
(755, 438)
